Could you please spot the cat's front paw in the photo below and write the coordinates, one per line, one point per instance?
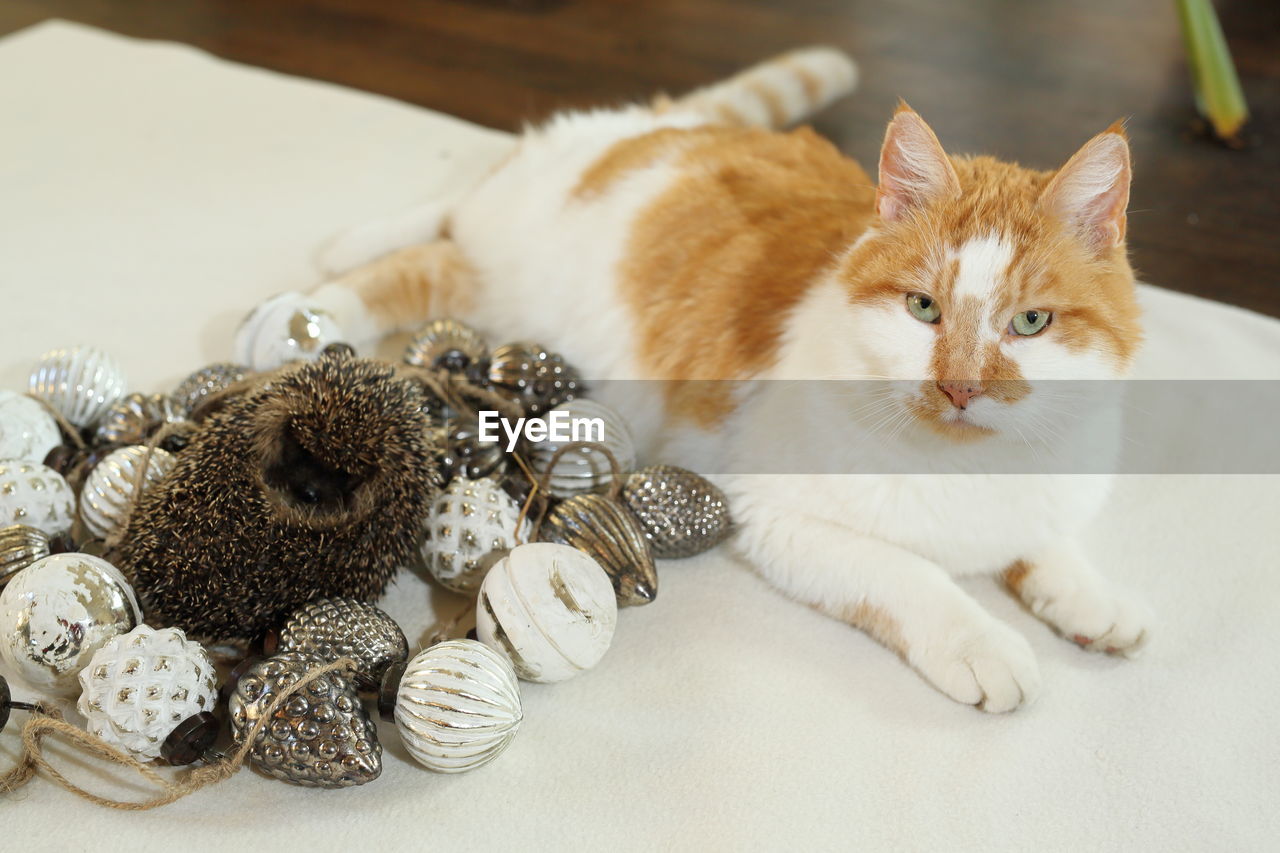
(986, 664)
(1098, 620)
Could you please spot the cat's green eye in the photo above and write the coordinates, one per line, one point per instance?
(923, 307)
(1030, 322)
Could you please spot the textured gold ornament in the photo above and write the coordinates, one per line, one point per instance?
(601, 527)
(20, 546)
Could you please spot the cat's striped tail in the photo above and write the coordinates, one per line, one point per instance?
(776, 93)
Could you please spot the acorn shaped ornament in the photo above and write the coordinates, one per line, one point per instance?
(133, 418)
(330, 629)
(320, 737)
(36, 496)
(20, 546)
(57, 612)
(80, 382)
(682, 514)
(204, 383)
(601, 527)
(457, 706)
(27, 430)
(108, 493)
(549, 609)
(140, 686)
(584, 469)
(314, 483)
(471, 524)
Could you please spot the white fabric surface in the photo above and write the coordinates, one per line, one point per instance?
(150, 195)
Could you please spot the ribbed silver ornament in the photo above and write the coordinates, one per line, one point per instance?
(321, 737)
(329, 629)
(20, 546)
(584, 469)
(80, 382)
(133, 418)
(682, 513)
(108, 493)
(443, 337)
(600, 526)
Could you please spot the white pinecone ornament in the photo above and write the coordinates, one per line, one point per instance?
(470, 526)
(141, 685)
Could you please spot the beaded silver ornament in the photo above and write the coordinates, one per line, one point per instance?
(108, 493)
(458, 706)
(81, 383)
(601, 527)
(205, 382)
(682, 513)
(329, 629)
(320, 738)
(139, 686)
(533, 376)
(472, 523)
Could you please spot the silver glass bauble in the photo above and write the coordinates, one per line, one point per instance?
(139, 686)
(27, 430)
(80, 382)
(36, 496)
(133, 418)
(458, 706)
(601, 527)
(533, 376)
(329, 629)
(682, 513)
(471, 524)
(57, 612)
(287, 327)
(550, 609)
(446, 343)
(205, 382)
(584, 469)
(20, 546)
(109, 491)
(320, 737)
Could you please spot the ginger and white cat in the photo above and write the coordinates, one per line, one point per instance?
(688, 239)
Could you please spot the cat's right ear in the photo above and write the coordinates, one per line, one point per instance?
(913, 167)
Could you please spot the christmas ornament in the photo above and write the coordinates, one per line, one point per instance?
(205, 382)
(320, 737)
(534, 377)
(458, 706)
(549, 608)
(448, 344)
(108, 493)
(80, 382)
(584, 469)
(133, 418)
(466, 456)
(470, 525)
(141, 685)
(313, 483)
(36, 496)
(27, 431)
(287, 327)
(330, 629)
(601, 527)
(20, 546)
(682, 513)
(57, 612)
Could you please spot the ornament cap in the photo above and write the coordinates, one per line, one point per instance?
(389, 690)
(191, 740)
(271, 642)
(7, 703)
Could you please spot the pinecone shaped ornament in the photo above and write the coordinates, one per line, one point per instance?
(205, 382)
(471, 524)
(329, 629)
(321, 736)
(314, 483)
(682, 513)
(141, 685)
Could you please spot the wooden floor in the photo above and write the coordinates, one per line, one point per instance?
(1028, 80)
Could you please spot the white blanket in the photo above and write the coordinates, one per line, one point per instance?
(151, 195)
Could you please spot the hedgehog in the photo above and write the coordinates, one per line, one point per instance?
(312, 482)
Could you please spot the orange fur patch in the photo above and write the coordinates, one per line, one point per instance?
(1016, 575)
(878, 624)
(409, 286)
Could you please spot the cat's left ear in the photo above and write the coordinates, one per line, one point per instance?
(1091, 191)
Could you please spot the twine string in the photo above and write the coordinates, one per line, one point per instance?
(40, 727)
(22, 772)
(541, 485)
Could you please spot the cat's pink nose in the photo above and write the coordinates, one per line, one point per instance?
(961, 393)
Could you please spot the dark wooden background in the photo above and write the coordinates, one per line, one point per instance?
(1028, 80)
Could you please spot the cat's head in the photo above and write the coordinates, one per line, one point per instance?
(981, 277)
